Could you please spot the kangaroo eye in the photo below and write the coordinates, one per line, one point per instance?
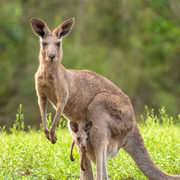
(87, 139)
(44, 44)
(78, 138)
(58, 44)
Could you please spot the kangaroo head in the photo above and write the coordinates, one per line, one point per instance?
(51, 42)
(80, 133)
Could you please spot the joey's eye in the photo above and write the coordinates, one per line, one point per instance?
(58, 44)
(78, 138)
(87, 139)
(44, 44)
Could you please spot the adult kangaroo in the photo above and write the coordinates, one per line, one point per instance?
(83, 95)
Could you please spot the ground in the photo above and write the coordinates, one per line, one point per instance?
(29, 155)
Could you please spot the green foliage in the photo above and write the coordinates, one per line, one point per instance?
(62, 121)
(160, 118)
(49, 120)
(19, 122)
(134, 44)
(31, 156)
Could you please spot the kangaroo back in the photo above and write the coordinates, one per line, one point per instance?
(135, 147)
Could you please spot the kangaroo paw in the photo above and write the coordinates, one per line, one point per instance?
(53, 138)
(46, 132)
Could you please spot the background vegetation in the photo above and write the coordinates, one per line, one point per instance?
(136, 44)
(31, 156)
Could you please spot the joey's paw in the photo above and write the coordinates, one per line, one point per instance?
(71, 158)
(53, 138)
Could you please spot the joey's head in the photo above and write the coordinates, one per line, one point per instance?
(81, 133)
(51, 42)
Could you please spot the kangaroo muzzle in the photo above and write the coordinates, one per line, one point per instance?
(51, 57)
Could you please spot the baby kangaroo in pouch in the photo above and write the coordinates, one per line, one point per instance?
(80, 133)
(85, 96)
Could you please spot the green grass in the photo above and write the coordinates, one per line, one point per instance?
(29, 155)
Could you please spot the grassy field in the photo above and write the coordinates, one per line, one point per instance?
(29, 155)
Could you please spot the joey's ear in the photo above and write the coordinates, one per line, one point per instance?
(64, 28)
(88, 126)
(40, 28)
(74, 126)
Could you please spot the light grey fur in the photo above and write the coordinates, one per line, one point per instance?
(83, 95)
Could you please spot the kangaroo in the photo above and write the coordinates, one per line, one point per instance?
(82, 95)
(80, 132)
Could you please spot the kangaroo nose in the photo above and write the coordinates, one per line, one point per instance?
(51, 57)
(84, 147)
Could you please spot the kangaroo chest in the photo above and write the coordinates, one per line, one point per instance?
(46, 85)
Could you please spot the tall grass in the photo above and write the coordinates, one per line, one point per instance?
(29, 155)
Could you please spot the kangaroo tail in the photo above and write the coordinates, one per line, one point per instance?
(135, 147)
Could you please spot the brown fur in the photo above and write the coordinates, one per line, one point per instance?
(71, 151)
(83, 155)
(84, 95)
(80, 132)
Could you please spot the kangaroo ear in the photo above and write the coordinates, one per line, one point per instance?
(74, 126)
(88, 126)
(64, 28)
(40, 28)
